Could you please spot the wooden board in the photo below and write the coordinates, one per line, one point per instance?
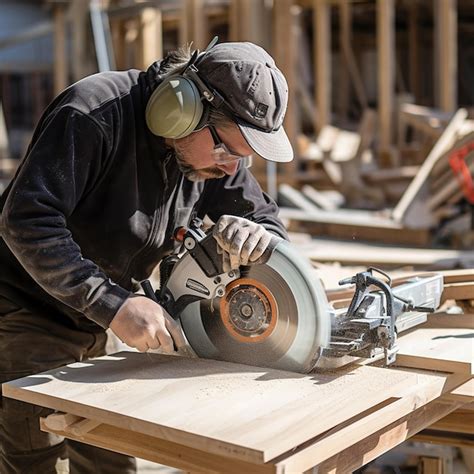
(442, 145)
(247, 413)
(427, 388)
(355, 225)
(442, 349)
(327, 250)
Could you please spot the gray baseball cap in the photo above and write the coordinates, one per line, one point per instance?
(255, 90)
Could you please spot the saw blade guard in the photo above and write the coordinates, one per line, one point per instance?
(276, 315)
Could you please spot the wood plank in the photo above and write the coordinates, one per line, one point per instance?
(189, 459)
(350, 63)
(456, 276)
(334, 225)
(326, 250)
(60, 43)
(322, 50)
(442, 349)
(446, 320)
(292, 196)
(385, 439)
(459, 421)
(386, 70)
(445, 141)
(430, 465)
(458, 291)
(446, 54)
(151, 36)
(142, 392)
(428, 388)
(464, 393)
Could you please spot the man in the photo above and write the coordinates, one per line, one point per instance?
(117, 162)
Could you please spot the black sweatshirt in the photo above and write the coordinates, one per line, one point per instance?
(93, 205)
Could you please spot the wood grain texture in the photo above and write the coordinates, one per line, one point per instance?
(428, 388)
(442, 349)
(147, 447)
(242, 412)
(385, 439)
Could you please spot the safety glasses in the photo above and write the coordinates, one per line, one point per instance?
(222, 155)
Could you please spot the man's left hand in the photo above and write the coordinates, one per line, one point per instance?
(242, 241)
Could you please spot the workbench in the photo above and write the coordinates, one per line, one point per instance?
(213, 416)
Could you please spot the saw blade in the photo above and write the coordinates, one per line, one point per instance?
(276, 315)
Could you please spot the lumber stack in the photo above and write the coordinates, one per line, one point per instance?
(433, 201)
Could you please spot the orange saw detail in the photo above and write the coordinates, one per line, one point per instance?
(248, 310)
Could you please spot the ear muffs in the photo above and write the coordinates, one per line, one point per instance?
(175, 109)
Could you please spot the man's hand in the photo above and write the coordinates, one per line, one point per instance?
(144, 324)
(242, 241)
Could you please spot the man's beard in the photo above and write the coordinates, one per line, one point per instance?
(195, 175)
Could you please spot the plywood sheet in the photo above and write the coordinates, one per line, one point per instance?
(247, 413)
(442, 349)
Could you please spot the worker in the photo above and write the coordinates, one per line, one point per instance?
(116, 163)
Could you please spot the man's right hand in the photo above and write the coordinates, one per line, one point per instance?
(144, 324)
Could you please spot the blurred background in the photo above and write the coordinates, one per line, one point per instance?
(373, 86)
(380, 115)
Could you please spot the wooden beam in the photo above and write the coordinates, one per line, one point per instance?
(446, 67)
(322, 49)
(82, 65)
(154, 449)
(287, 17)
(386, 71)
(151, 36)
(250, 20)
(442, 145)
(4, 148)
(383, 440)
(413, 50)
(344, 436)
(349, 67)
(193, 24)
(60, 42)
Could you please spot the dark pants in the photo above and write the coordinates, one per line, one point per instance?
(29, 344)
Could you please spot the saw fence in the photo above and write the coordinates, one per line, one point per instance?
(209, 416)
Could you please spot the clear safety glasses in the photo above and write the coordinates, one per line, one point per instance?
(222, 155)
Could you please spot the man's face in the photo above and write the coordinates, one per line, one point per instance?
(194, 153)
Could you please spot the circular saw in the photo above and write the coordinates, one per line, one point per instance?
(273, 313)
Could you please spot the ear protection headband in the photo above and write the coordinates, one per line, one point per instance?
(176, 108)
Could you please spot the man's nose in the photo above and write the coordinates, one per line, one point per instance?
(229, 168)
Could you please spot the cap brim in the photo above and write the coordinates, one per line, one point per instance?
(273, 146)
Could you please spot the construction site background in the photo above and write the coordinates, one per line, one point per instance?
(380, 114)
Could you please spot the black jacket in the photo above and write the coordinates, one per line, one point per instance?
(95, 201)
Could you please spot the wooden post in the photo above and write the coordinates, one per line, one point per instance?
(80, 24)
(118, 32)
(445, 16)
(348, 60)
(285, 32)
(60, 58)
(151, 36)
(3, 138)
(386, 72)
(193, 24)
(322, 48)
(345, 34)
(413, 51)
(250, 20)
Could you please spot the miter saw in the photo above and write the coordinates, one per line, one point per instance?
(275, 313)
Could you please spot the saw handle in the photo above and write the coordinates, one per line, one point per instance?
(150, 293)
(148, 290)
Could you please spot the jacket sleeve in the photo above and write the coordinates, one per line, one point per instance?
(64, 162)
(241, 195)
